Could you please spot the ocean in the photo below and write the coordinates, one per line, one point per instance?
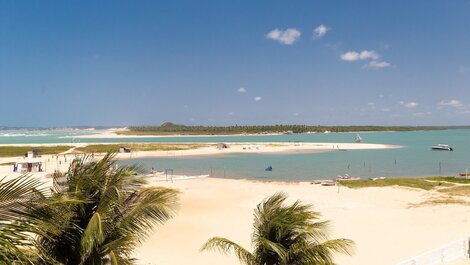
(413, 160)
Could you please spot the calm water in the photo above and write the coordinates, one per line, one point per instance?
(414, 159)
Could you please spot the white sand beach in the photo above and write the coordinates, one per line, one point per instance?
(382, 222)
(233, 148)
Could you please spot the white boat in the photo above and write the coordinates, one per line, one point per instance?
(346, 177)
(442, 147)
(358, 139)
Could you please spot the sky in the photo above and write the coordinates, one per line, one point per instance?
(121, 63)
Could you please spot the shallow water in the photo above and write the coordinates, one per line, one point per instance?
(414, 159)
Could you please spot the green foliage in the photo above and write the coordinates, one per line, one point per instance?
(170, 128)
(19, 198)
(114, 213)
(9, 151)
(285, 235)
(450, 179)
(417, 183)
(105, 148)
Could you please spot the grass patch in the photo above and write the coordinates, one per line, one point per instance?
(11, 151)
(457, 190)
(104, 148)
(450, 179)
(440, 201)
(417, 183)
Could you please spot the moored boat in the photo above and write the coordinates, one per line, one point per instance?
(346, 177)
(442, 147)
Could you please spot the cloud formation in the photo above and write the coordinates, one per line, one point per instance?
(377, 64)
(352, 56)
(453, 103)
(320, 31)
(408, 105)
(287, 37)
(242, 90)
(257, 98)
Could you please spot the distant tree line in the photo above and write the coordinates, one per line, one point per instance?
(171, 128)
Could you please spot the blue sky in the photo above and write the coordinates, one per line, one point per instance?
(65, 63)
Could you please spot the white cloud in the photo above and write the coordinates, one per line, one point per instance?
(408, 105)
(450, 103)
(242, 90)
(352, 56)
(287, 37)
(320, 31)
(230, 113)
(371, 104)
(385, 109)
(257, 98)
(377, 64)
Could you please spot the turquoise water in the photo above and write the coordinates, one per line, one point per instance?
(414, 159)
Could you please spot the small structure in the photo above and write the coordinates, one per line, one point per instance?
(222, 146)
(27, 167)
(32, 154)
(123, 149)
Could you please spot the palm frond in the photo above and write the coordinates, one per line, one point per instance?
(92, 236)
(226, 246)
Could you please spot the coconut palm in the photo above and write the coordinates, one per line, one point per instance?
(285, 235)
(112, 213)
(13, 235)
(21, 220)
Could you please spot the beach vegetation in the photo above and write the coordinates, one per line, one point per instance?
(417, 183)
(450, 179)
(460, 190)
(285, 234)
(169, 128)
(12, 151)
(105, 148)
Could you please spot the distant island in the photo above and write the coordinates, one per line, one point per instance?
(169, 128)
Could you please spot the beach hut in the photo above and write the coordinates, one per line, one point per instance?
(123, 149)
(222, 146)
(32, 154)
(28, 167)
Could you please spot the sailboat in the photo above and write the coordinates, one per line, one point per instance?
(358, 139)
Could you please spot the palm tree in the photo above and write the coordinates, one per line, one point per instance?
(14, 194)
(112, 213)
(285, 235)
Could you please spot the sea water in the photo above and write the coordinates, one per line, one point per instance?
(414, 158)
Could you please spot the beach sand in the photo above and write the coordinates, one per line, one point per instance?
(382, 222)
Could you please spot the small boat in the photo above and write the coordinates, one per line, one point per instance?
(442, 147)
(269, 168)
(346, 177)
(358, 139)
(328, 183)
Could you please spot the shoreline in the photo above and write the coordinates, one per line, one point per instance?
(233, 148)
